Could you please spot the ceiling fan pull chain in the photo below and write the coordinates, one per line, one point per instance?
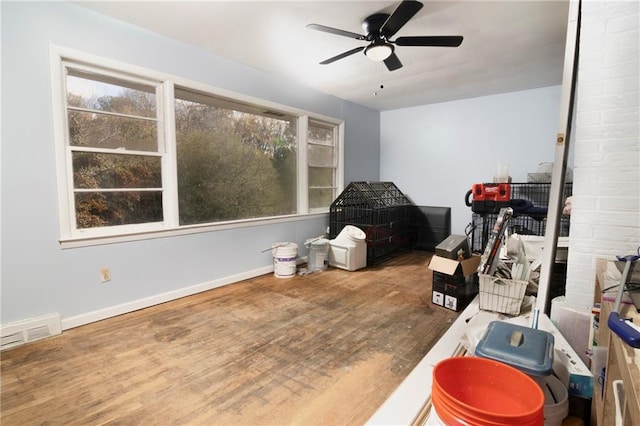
(375, 92)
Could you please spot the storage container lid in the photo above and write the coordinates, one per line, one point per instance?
(528, 349)
(318, 242)
(352, 233)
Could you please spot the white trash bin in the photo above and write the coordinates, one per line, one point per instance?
(318, 256)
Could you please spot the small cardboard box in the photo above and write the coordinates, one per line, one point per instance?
(456, 272)
(455, 283)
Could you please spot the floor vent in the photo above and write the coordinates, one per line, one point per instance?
(21, 332)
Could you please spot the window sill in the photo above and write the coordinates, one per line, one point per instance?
(78, 242)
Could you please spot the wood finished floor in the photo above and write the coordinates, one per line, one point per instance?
(323, 349)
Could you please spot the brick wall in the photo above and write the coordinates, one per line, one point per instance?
(605, 221)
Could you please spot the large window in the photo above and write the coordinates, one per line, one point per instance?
(140, 152)
(233, 162)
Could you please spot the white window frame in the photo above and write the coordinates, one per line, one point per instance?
(70, 236)
(70, 149)
(336, 165)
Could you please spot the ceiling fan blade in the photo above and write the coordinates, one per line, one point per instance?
(342, 55)
(443, 41)
(392, 62)
(335, 31)
(399, 17)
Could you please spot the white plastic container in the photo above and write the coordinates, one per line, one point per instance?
(502, 173)
(318, 256)
(556, 401)
(284, 259)
(349, 249)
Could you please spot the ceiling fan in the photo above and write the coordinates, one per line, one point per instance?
(380, 27)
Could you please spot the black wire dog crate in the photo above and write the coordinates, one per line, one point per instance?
(529, 202)
(381, 210)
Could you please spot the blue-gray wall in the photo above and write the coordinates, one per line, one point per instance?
(434, 153)
(38, 277)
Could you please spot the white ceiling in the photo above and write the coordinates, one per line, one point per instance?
(508, 45)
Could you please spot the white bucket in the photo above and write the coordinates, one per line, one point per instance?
(556, 401)
(284, 259)
(318, 256)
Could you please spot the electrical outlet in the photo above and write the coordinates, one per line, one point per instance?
(105, 274)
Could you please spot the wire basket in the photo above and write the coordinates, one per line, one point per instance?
(501, 295)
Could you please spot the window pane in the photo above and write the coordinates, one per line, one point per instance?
(320, 198)
(320, 156)
(232, 164)
(108, 131)
(98, 209)
(102, 93)
(320, 177)
(322, 135)
(97, 170)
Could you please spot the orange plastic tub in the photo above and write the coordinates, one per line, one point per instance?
(483, 392)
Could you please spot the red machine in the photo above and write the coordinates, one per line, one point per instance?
(488, 197)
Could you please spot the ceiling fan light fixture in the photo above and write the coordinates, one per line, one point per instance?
(378, 52)
(380, 28)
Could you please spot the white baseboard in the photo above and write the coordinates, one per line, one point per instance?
(134, 305)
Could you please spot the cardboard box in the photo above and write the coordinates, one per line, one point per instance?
(455, 283)
(458, 272)
(454, 247)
